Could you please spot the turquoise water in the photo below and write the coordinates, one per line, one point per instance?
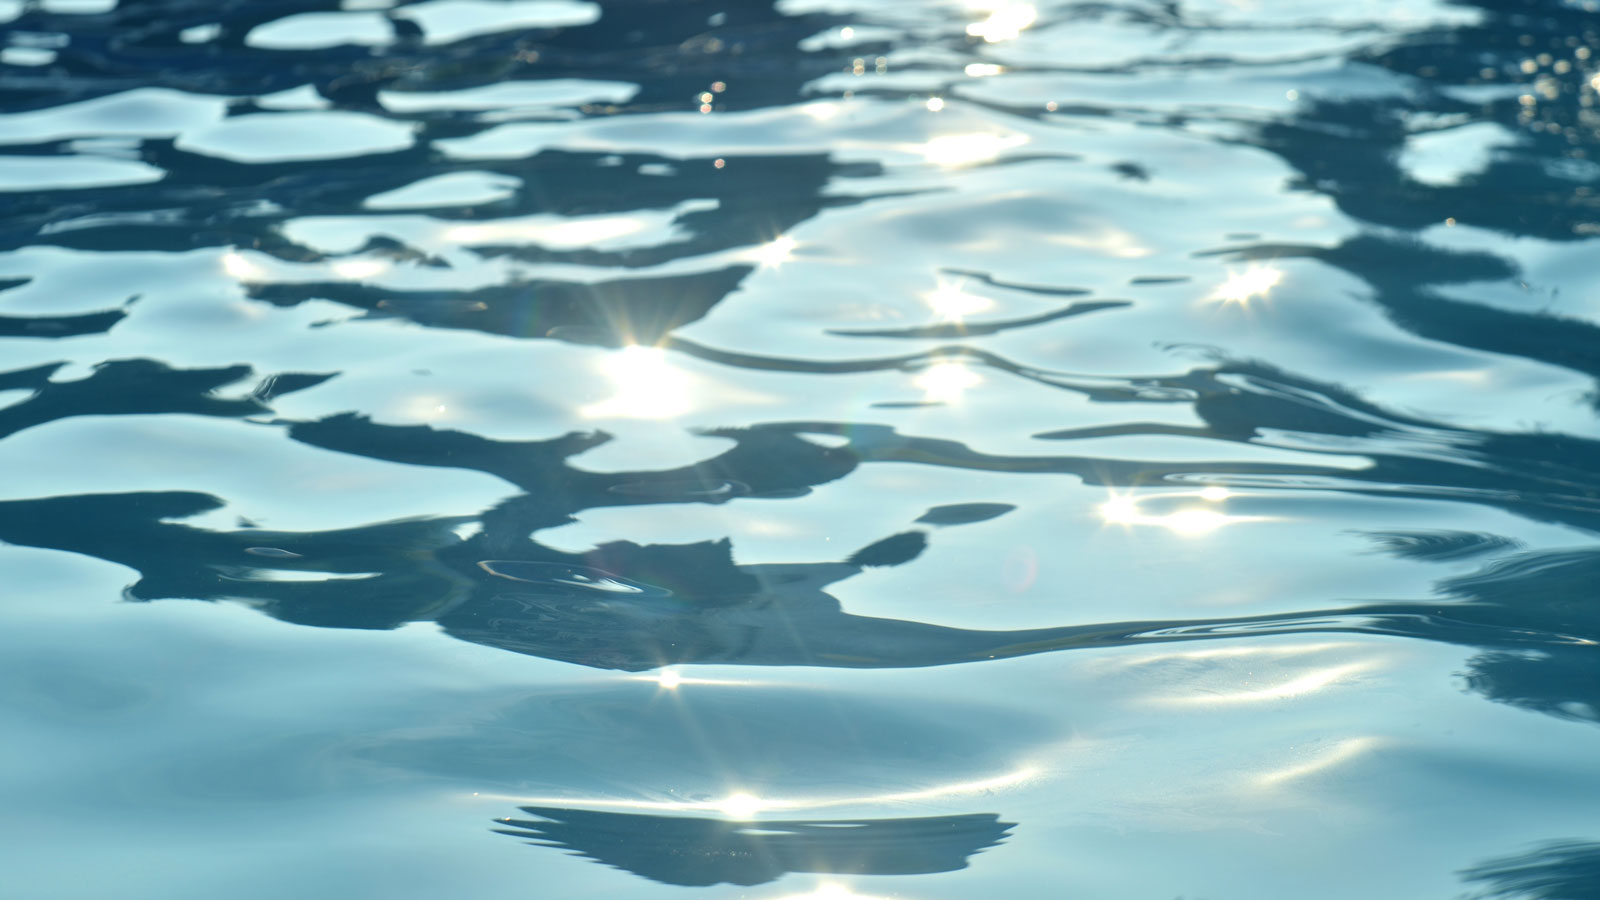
(816, 449)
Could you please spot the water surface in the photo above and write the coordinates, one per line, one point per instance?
(805, 449)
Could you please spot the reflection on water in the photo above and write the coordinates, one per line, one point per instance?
(824, 337)
(1559, 870)
(695, 851)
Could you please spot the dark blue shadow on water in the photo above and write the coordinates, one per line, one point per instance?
(1559, 870)
(697, 852)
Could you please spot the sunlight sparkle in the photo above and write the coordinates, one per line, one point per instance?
(740, 805)
(954, 150)
(945, 382)
(1004, 23)
(236, 265)
(953, 304)
(775, 253)
(355, 269)
(648, 386)
(1242, 287)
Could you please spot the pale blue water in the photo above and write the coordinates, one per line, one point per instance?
(825, 449)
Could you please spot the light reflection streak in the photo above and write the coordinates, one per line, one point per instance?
(1341, 752)
(830, 890)
(1191, 521)
(1236, 652)
(670, 679)
(747, 799)
(356, 269)
(1310, 682)
(1108, 240)
(648, 386)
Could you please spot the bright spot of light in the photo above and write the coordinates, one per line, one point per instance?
(1190, 521)
(669, 679)
(359, 268)
(830, 890)
(953, 304)
(425, 407)
(648, 386)
(945, 382)
(935, 104)
(1120, 511)
(237, 266)
(1215, 494)
(1308, 683)
(740, 805)
(1242, 287)
(775, 253)
(1004, 23)
(822, 111)
(982, 70)
(966, 149)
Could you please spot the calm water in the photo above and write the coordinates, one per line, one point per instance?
(814, 449)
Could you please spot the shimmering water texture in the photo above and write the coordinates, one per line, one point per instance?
(805, 449)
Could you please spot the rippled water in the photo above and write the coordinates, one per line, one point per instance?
(823, 448)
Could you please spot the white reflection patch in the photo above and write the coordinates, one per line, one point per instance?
(1005, 22)
(1242, 287)
(821, 111)
(1190, 521)
(648, 386)
(775, 253)
(237, 265)
(952, 304)
(945, 382)
(357, 269)
(953, 150)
